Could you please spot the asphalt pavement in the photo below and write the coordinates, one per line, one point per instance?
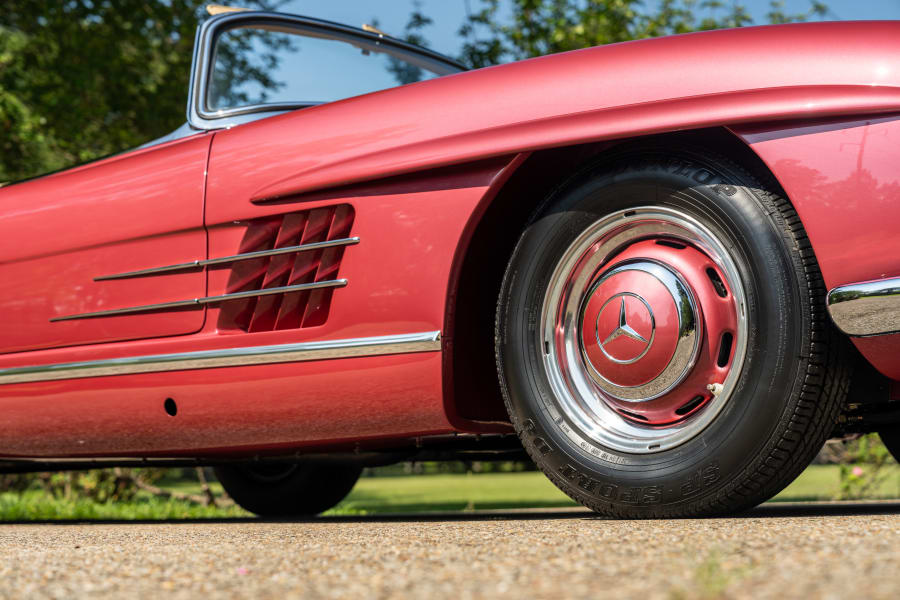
(816, 550)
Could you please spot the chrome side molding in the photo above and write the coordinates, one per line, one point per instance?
(866, 308)
(300, 287)
(228, 357)
(231, 259)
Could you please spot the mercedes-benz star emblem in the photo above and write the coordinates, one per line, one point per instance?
(626, 330)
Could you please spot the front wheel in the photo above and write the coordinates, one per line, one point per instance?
(662, 342)
(283, 490)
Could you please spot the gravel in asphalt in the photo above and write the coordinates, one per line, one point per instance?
(776, 551)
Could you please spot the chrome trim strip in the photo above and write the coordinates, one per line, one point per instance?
(231, 259)
(867, 308)
(229, 357)
(129, 310)
(206, 300)
(275, 290)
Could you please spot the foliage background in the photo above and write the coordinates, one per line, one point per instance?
(81, 79)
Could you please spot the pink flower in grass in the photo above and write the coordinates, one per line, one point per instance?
(857, 472)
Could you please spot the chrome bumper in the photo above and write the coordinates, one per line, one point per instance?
(866, 308)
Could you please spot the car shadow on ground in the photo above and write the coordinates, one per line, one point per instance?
(768, 510)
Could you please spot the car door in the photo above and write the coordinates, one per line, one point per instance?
(67, 238)
(256, 65)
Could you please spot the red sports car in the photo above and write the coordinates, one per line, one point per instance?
(668, 270)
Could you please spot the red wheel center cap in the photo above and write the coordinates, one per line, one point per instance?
(630, 326)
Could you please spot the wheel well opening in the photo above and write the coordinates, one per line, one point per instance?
(472, 388)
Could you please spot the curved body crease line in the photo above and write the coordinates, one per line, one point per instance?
(619, 90)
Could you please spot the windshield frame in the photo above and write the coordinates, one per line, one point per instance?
(203, 118)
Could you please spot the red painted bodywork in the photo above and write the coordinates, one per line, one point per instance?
(609, 92)
(398, 276)
(227, 410)
(59, 232)
(418, 165)
(843, 178)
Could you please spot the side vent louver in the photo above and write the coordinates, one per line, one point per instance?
(290, 310)
(282, 278)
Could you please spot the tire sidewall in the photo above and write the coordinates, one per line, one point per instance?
(304, 490)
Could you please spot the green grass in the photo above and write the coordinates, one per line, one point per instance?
(822, 482)
(378, 495)
(454, 492)
(533, 490)
(34, 505)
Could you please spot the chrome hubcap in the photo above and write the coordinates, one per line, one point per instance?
(643, 330)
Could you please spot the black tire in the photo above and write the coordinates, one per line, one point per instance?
(890, 436)
(793, 380)
(285, 490)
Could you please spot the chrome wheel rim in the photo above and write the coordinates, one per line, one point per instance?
(643, 331)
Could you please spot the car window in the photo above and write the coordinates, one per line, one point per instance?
(270, 65)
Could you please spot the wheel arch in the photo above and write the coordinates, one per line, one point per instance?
(472, 394)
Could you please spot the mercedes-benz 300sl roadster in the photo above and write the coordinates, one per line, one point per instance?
(667, 270)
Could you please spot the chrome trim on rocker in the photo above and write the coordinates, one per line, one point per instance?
(232, 259)
(300, 287)
(229, 357)
(866, 308)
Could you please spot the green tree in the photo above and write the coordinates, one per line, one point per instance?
(25, 145)
(504, 30)
(84, 78)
